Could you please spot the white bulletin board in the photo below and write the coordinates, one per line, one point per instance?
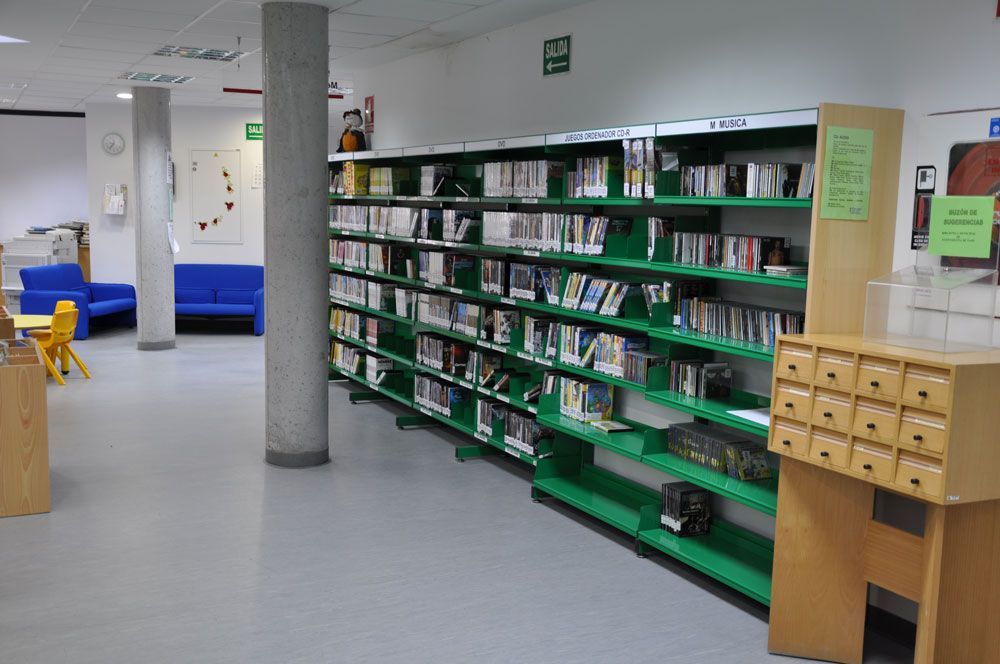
(216, 197)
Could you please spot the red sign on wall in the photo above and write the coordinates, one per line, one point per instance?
(369, 114)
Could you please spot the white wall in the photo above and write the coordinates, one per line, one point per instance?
(113, 238)
(43, 172)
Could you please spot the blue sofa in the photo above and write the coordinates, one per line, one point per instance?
(208, 289)
(47, 284)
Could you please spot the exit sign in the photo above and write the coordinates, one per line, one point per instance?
(556, 57)
(255, 131)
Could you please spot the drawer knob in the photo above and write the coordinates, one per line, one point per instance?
(867, 466)
(791, 367)
(830, 374)
(870, 425)
(914, 480)
(827, 414)
(786, 442)
(922, 394)
(874, 383)
(789, 404)
(917, 437)
(824, 454)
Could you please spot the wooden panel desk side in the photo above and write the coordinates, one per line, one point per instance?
(24, 442)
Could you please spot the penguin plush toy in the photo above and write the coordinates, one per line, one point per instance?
(353, 138)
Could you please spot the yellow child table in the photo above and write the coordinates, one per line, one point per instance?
(31, 321)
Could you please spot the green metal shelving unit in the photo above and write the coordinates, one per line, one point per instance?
(730, 554)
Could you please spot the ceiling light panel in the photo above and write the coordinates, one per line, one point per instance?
(218, 55)
(154, 78)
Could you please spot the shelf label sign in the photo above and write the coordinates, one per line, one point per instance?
(961, 226)
(847, 173)
(255, 131)
(555, 59)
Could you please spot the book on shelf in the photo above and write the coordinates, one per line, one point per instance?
(685, 509)
(535, 231)
(718, 448)
(587, 234)
(433, 177)
(750, 253)
(493, 279)
(540, 336)
(438, 395)
(441, 353)
(611, 426)
(347, 358)
(524, 433)
(355, 178)
(348, 253)
(763, 180)
(640, 160)
(377, 329)
(657, 228)
(389, 181)
(376, 367)
(594, 176)
(656, 293)
(738, 321)
(347, 323)
(585, 400)
(786, 270)
(639, 362)
(489, 411)
(704, 380)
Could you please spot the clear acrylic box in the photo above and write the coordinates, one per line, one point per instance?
(934, 307)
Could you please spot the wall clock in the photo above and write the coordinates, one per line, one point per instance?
(113, 143)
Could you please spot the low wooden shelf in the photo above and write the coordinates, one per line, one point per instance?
(24, 442)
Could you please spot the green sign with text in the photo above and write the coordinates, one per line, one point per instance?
(255, 131)
(556, 57)
(961, 226)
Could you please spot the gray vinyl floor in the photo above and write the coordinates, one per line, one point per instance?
(171, 541)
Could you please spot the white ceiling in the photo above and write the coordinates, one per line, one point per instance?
(78, 48)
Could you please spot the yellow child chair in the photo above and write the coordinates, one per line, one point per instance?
(55, 340)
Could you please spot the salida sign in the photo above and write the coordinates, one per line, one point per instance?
(556, 57)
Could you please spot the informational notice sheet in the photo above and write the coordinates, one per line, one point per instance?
(847, 173)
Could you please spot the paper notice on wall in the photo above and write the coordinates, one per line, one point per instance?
(847, 173)
(174, 247)
(114, 199)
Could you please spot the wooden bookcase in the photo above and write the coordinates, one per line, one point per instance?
(832, 293)
(24, 442)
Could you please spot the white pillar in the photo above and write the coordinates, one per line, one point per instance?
(154, 262)
(295, 236)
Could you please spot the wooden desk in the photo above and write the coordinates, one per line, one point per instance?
(849, 416)
(31, 321)
(24, 437)
(83, 259)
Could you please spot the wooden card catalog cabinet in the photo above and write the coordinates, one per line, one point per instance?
(920, 423)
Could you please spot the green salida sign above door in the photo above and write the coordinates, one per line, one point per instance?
(255, 131)
(556, 57)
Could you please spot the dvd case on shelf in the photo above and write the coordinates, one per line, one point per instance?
(685, 509)
(585, 400)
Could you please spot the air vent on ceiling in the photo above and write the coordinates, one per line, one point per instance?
(199, 53)
(155, 78)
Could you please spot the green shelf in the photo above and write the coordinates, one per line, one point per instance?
(724, 344)
(714, 410)
(603, 495)
(493, 441)
(424, 327)
(378, 275)
(413, 199)
(734, 201)
(402, 359)
(544, 307)
(597, 375)
(444, 419)
(629, 444)
(793, 281)
(445, 376)
(729, 554)
(377, 388)
(506, 398)
(374, 312)
(522, 200)
(761, 495)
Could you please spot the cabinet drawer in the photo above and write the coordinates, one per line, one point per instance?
(791, 400)
(918, 475)
(877, 377)
(872, 460)
(834, 368)
(922, 429)
(831, 410)
(828, 447)
(789, 437)
(926, 386)
(794, 361)
(874, 420)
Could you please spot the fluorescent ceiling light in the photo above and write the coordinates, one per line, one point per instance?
(4, 39)
(218, 55)
(155, 78)
(124, 95)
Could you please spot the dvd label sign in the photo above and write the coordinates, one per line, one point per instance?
(555, 59)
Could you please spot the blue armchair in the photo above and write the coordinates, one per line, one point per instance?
(47, 284)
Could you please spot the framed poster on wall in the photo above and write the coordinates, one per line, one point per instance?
(216, 200)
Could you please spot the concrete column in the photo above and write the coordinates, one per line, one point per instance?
(295, 236)
(154, 262)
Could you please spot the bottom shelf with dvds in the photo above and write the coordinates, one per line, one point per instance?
(730, 554)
